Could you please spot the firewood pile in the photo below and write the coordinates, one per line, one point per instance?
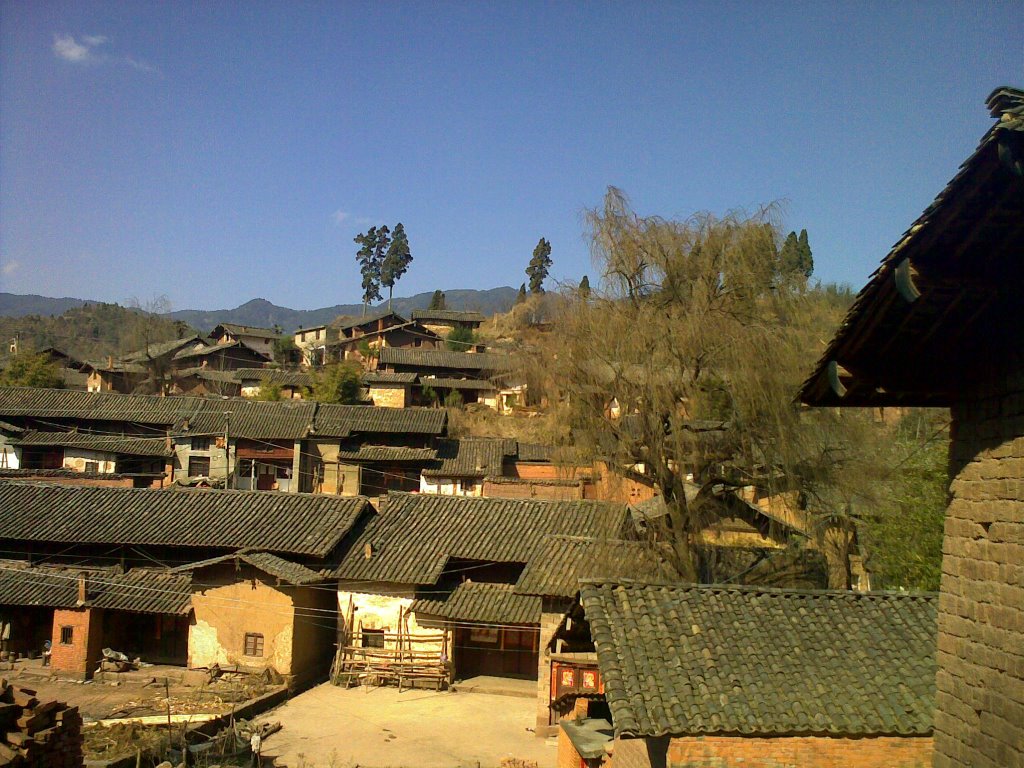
(32, 733)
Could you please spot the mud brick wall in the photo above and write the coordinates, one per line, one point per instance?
(979, 719)
(79, 657)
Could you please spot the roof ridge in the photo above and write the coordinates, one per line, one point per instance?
(794, 591)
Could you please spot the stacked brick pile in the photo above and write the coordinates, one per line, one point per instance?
(31, 733)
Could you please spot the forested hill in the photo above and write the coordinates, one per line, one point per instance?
(91, 331)
(262, 313)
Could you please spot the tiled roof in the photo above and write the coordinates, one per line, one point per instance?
(274, 376)
(205, 374)
(448, 383)
(253, 419)
(286, 570)
(287, 419)
(7, 427)
(468, 457)
(483, 602)
(447, 316)
(140, 590)
(373, 317)
(388, 377)
(295, 523)
(343, 420)
(387, 453)
(692, 660)
(918, 330)
(249, 330)
(534, 452)
(132, 446)
(415, 534)
(563, 560)
(207, 350)
(164, 348)
(459, 361)
(102, 406)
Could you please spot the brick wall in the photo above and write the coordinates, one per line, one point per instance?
(979, 719)
(79, 657)
(550, 618)
(798, 752)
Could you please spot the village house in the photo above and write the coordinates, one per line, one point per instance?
(291, 445)
(388, 389)
(142, 461)
(707, 676)
(444, 321)
(144, 368)
(484, 377)
(363, 338)
(360, 450)
(312, 344)
(291, 384)
(451, 565)
(259, 340)
(939, 325)
(174, 576)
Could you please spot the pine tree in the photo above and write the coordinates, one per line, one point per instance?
(369, 265)
(521, 296)
(437, 301)
(584, 289)
(805, 260)
(789, 256)
(539, 265)
(396, 261)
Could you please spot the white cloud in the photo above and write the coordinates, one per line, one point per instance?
(65, 47)
(340, 217)
(10, 267)
(87, 51)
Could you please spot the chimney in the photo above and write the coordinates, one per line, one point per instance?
(367, 551)
(110, 361)
(83, 588)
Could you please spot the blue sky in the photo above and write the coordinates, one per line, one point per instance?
(216, 152)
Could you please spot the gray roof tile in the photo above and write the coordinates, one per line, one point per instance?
(414, 535)
(461, 361)
(447, 316)
(293, 523)
(693, 660)
(482, 602)
(286, 570)
(563, 560)
(140, 590)
(128, 445)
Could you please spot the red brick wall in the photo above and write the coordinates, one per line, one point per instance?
(78, 659)
(800, 751)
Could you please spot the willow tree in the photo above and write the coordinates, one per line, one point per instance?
(684, 362)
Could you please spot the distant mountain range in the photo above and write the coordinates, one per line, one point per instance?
(264, 314)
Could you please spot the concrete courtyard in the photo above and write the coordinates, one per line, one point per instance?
(333, 727)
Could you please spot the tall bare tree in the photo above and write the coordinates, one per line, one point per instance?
(684, 363)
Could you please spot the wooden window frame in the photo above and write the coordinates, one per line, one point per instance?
(254, 646)
(67, 635)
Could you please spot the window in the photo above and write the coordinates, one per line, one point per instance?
(198, 466)
(67, 635)
(92, 467)
(200, 443)
(253, 644)
(373, 638)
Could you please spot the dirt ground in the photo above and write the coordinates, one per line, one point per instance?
(331, 727)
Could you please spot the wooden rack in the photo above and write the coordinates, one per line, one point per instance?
(396, 663)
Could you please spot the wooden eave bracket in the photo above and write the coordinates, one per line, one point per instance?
(903, 276)
(835, 372)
